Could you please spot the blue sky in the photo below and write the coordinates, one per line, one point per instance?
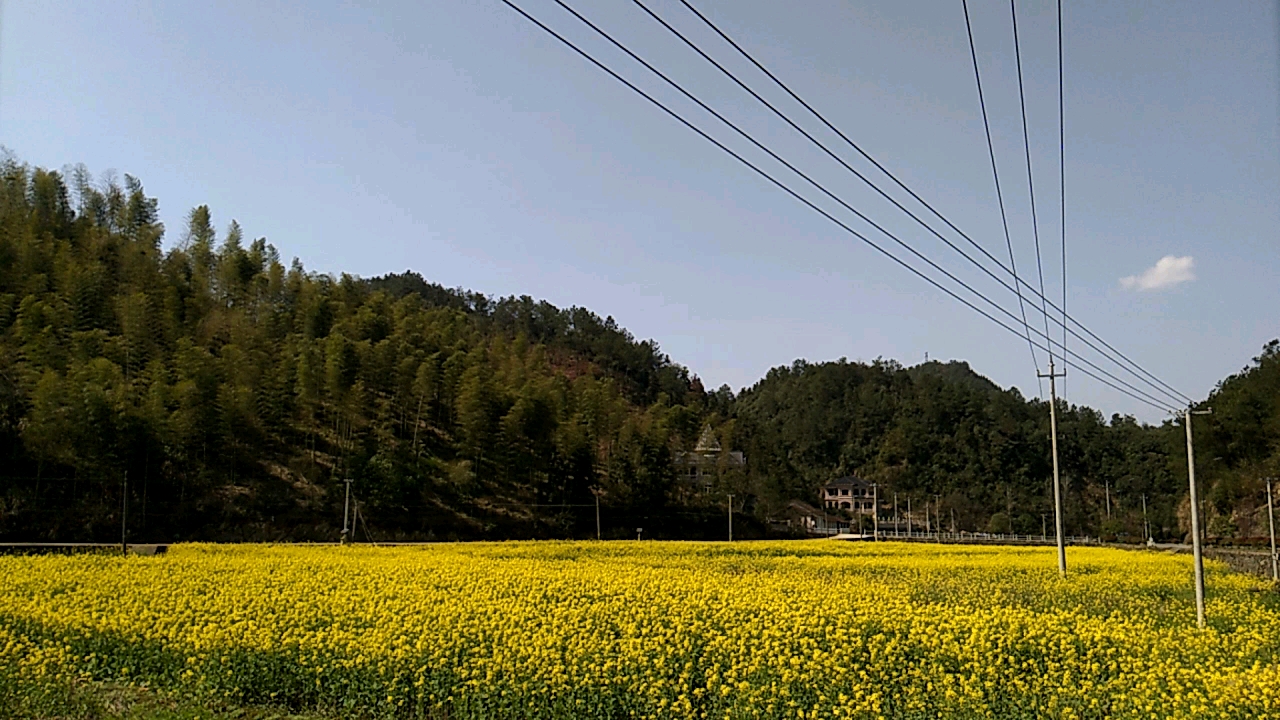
(455, 139)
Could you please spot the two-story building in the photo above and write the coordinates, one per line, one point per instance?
(849, 493)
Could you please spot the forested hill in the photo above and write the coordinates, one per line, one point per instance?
(941, 432)
(237, 394)
(644, 371)
(228, 396)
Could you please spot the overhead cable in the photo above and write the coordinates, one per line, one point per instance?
(1133, 367)
(1004, 217)
(779, 113)
(1049, 341)
(1062, 187)
(1142, 397)
(1026, 144)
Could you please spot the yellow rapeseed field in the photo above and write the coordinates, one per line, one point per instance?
(815, 629)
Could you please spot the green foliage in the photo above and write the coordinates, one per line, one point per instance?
(939, 431)
(999, 523)
(237, 394)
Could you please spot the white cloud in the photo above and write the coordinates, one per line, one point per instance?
(1169, 271)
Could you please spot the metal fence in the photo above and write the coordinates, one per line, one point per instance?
(958, 537)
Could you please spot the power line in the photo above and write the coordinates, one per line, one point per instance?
(805, 200)
(1155, 402)
(1158, 385)
(1048, 339)
(1026, 144)
(779, 113)
(1004, 218)
(851, 169)
(1132, 368)
(1062, 188)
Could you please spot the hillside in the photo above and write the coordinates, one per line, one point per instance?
(235, 395)
(1240, 446)
(940, 431)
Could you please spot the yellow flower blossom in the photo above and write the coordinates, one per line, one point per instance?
(655, 630)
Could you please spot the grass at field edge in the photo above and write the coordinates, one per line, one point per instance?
(116, 701)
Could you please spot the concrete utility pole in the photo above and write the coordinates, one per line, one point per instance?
(875, 512)
(730, 517)
(895, 514)
(1271, 523)
(1108, 490)
(124, 516)
(597, 494)
(1146, 526)
(346, 510)
(1195, 515)
(908, 516)
(937, 516)
(927, 529)
(1057, 478)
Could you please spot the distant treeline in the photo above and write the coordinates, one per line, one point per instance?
(236, 394)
